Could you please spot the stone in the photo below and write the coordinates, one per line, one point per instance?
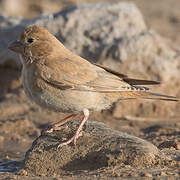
(98, 147)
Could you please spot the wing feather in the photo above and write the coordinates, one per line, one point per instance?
(84, 76)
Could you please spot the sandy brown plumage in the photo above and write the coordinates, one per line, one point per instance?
(60, 80)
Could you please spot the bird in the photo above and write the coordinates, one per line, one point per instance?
(59, 80)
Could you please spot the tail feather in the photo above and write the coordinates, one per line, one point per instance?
(146, 95)
(140, 82)
(136, 91)
(161, 97)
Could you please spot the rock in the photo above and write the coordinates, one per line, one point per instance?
(98, 147)
(144, 54)
(89, 35)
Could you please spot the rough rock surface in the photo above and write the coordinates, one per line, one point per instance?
(98, 147)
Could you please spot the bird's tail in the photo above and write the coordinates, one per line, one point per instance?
(146, 95)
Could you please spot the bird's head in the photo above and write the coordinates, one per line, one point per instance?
(35, 42)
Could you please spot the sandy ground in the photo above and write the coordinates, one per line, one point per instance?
(21, 121)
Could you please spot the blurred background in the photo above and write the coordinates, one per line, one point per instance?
(163, 16)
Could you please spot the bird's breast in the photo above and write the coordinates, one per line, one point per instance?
(34, 87)
(42, 93)
(53, 98)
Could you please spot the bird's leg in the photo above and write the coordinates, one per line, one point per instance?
(77, 133)
(56, 126)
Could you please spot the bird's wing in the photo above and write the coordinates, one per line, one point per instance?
(75, 75)
(82, 75)
(130, 81)
(65, 73)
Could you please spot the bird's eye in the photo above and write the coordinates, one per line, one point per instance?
(30, 40)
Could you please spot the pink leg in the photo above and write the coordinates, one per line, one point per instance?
(56, 126)
(77, 133)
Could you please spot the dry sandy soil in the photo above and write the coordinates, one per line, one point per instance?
(21, 121)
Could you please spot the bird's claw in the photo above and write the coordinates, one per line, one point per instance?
(71, 140)
(47, 130)
(50, 129)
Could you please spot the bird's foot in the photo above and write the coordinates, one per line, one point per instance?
(78, 131)
(50, 129)
(47, 130)
(57, 126)
(71, 140)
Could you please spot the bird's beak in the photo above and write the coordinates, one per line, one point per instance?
(16, 46)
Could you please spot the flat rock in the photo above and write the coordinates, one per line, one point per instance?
(98, 147)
